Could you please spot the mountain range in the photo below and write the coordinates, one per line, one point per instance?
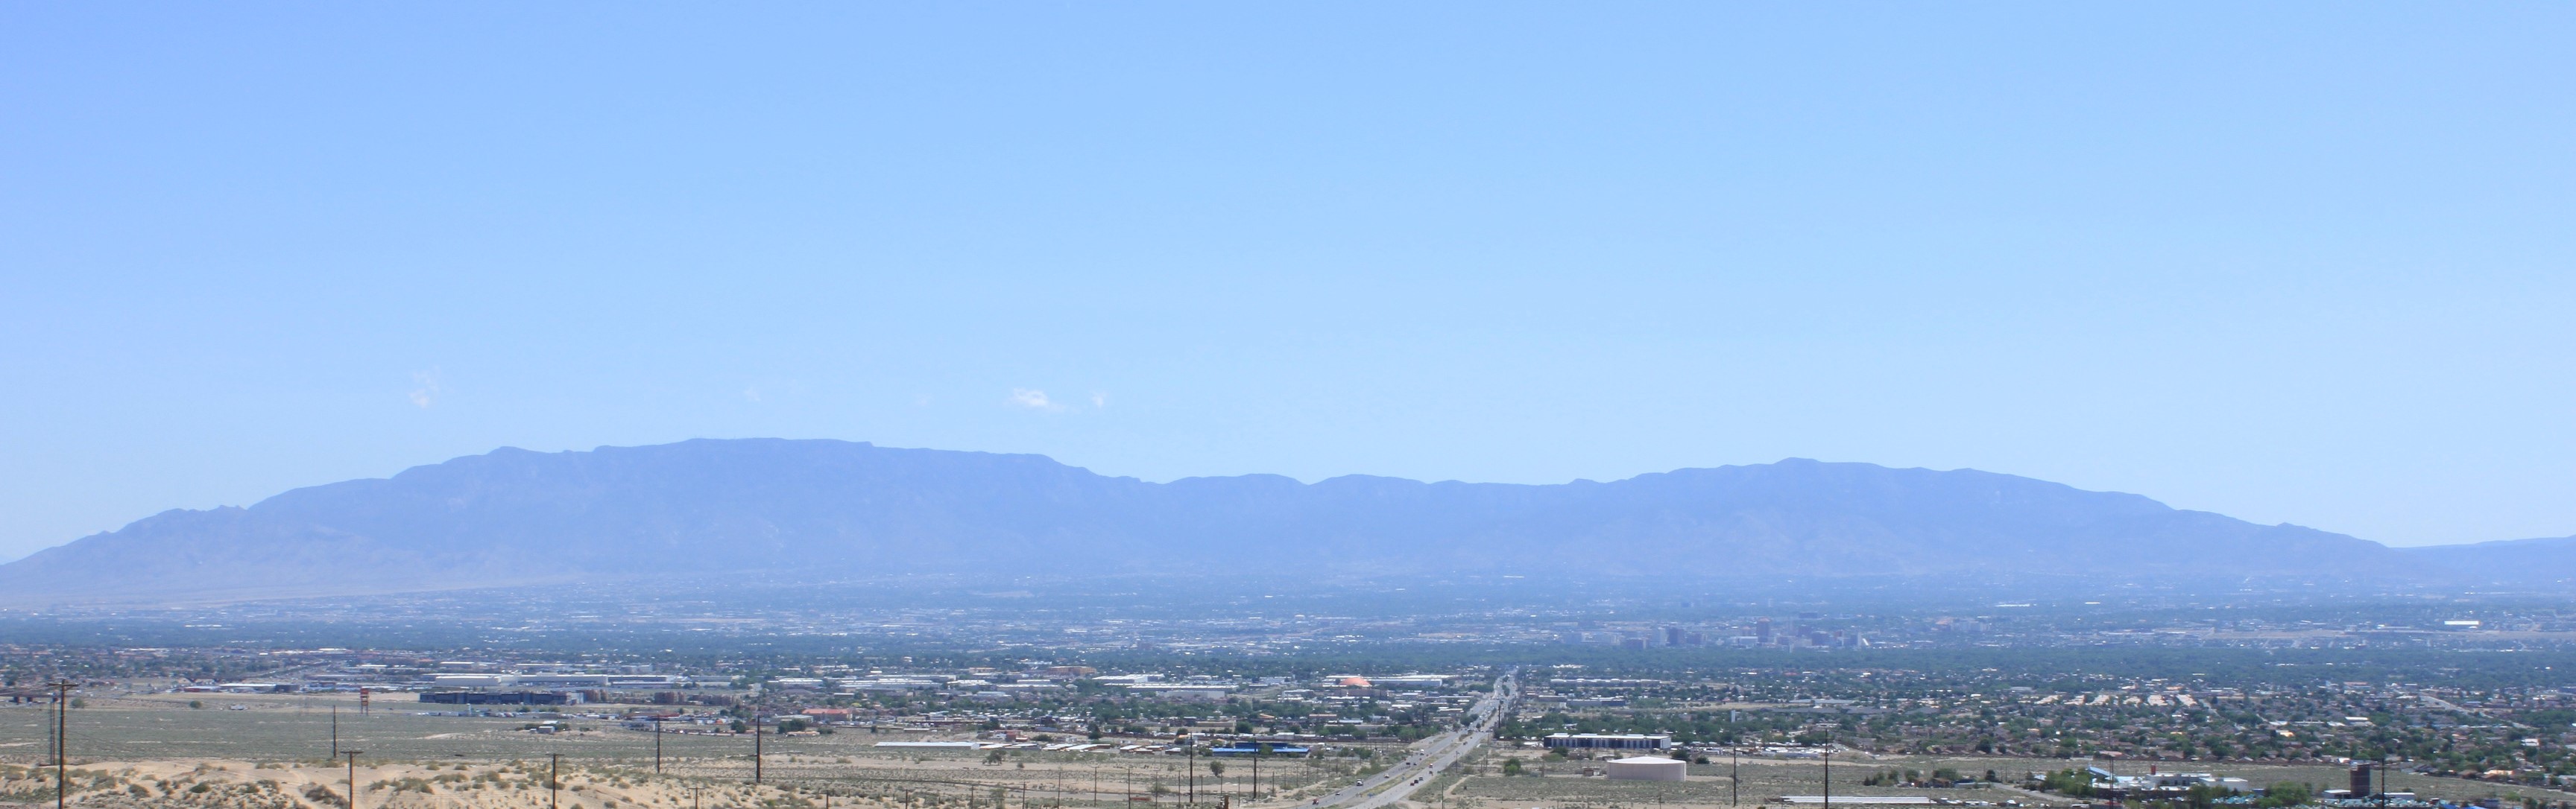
(819, 508)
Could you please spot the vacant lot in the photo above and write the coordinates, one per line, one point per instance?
(270, 752)
(288, 740)
(1555, 784)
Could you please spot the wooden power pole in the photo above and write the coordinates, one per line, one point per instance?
(62, 724)
(353, 776)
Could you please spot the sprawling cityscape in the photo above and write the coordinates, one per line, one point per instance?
(1044, 699)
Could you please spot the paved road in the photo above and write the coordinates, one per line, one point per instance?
(1424, 759)
(2447, 705)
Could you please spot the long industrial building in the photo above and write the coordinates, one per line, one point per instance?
(502, 697)
(1609, 741)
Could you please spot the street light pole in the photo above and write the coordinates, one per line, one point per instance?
(657, 745)
(554, 778)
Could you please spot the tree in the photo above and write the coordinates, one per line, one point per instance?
(2203, 796)
(2285, 794)
(1511, 766)
(2073, 783)
(1216, 768)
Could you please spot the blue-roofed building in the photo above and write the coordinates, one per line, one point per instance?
(1275, 750)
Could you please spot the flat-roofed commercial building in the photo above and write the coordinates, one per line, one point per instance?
(1609, 741)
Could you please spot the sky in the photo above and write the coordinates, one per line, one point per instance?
(2292, 262)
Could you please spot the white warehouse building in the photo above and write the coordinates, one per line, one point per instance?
(1649, 768)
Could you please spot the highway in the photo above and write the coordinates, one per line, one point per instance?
(1425, 758)
(2448, 705)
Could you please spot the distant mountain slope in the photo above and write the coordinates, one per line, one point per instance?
(2548, 560)
(712, 507)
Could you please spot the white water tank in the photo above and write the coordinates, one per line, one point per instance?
(1649, 768)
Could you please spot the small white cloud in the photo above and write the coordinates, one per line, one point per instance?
(1099, 400)
(1033, 399)
(751, 393)
(425, 388)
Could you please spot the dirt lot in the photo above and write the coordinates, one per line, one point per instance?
(272, 752)
(1558, 784)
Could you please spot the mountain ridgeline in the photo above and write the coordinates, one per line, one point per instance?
(818, 508)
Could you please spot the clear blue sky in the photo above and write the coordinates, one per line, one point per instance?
(2299, 262)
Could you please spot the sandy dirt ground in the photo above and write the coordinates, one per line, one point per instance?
(274, 752)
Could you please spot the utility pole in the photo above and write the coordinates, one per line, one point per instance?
(1733, 775)
(755, 747)
(335, 731)
(1829, 778)
(2384, 758)
(353, 777)
(62, 724)
(1192, 753)
(657, 745)
(554, 779)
